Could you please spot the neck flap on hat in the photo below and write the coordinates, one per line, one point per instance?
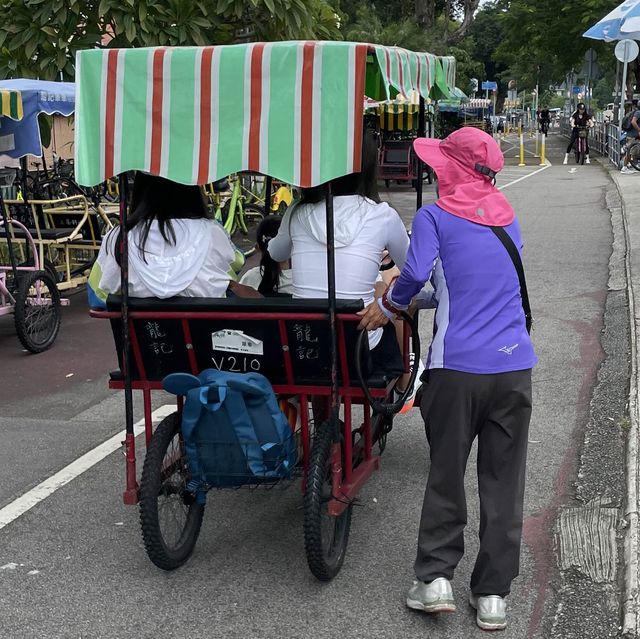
(470, 195)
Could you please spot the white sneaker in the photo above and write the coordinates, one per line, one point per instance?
(566, 159)
(491, 612)
(408, 403)
(587, 160)
(436, 596)
(627, 170)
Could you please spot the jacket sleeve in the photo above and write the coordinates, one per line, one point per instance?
(281, 245)
(421, 257)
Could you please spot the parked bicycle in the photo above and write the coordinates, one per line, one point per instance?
(239, 218)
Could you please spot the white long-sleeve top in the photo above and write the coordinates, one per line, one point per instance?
(363, 230)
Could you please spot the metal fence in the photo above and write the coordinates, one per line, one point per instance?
(604, 138)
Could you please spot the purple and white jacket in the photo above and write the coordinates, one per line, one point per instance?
(479, 324)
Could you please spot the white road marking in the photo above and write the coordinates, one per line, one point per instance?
(524, 177)
(49, 486)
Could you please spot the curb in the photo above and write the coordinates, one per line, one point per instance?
(630, 608)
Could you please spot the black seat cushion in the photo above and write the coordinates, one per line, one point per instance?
(45, 234)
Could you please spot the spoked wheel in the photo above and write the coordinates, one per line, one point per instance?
(634, 156)
(325, 537)
(37, 310)
(170, 516)
(245, 235)
(49, 268)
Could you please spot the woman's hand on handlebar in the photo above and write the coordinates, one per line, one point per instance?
(372, 317)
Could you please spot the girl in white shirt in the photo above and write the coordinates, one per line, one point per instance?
(364, 228)
(175, 247)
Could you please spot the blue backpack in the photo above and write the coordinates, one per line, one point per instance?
(233, 429)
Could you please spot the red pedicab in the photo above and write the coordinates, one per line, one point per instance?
(297, 117)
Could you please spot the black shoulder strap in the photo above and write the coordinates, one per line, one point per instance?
(514, 254)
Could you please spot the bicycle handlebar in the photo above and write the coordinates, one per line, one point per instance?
(377, 405)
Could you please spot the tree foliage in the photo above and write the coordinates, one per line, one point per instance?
(532, 42)
(540, 42)
(39, 38)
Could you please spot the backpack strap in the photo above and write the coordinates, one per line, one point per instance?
(514, 254)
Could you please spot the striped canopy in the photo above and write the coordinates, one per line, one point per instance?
(292, 110)
(398, 116)
(11, 104)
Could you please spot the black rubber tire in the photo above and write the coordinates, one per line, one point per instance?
(246, 242)
(634, 156)
(26, 321)
(161, 553)
(324, 563)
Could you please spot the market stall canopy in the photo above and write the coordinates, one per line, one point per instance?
(292, 110)
(10, 104)
(19, 138)
(623, 22)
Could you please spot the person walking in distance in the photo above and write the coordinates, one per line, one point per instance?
(477, 382)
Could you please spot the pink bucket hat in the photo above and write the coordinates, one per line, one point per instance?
(466, 163)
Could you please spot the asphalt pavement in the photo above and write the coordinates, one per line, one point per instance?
(74, 565)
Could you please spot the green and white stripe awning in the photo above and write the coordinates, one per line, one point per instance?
(292, 110)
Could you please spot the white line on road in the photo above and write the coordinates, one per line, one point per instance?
(49, 486)
(524, 177)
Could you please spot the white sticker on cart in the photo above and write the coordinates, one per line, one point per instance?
(232, 341)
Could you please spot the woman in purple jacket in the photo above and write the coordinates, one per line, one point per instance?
(478, 377)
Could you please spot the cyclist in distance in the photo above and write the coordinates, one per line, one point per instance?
(544, 119)
(579, 119)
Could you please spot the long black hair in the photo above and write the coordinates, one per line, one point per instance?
(269, 268)
(156, 198)
(364, 183)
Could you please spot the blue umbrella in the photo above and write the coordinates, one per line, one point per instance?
(623, 22)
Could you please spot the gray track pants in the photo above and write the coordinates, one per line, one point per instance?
(458, 407)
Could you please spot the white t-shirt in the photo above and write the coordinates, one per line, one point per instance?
(253, 277)
(197, 265)
(363, 230)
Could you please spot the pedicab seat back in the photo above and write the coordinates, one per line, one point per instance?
(286, 340)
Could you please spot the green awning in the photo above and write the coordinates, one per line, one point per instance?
(292, 110)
